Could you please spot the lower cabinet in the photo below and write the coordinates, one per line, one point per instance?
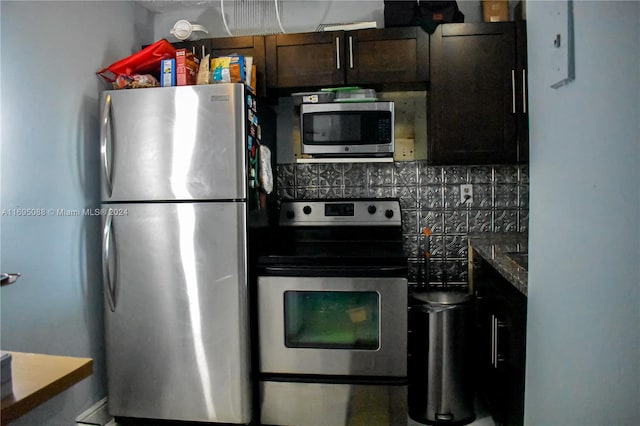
(500, 344)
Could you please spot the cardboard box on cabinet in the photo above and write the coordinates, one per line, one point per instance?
(495, 10)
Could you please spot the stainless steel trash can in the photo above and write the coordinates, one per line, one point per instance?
(440, 365)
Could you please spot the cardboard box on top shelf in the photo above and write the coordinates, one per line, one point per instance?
(168, 73)
(495, 10)
(187, 65)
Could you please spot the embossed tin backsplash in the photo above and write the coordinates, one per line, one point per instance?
(430, 197)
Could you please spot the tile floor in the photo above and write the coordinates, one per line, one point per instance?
(483, 418)
(101, 418)
(480, 421)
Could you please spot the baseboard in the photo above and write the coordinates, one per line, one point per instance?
(96, 415)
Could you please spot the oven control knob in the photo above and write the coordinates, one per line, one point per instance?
(290, 214)
(389, 213)
(306, 209)
(371, 209)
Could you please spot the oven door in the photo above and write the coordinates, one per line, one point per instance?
(333, 325)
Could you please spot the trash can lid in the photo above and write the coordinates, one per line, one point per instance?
(443, 297)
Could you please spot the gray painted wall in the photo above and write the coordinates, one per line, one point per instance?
(583, 353)
(49, 160)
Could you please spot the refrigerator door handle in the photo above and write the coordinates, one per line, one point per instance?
(107, 236)
(105, 138)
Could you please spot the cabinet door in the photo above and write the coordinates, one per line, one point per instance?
(500, 344)
(472, 100)
(305, 60)
(522, 91)
(392, 55)
(491, 347)
(515, 306)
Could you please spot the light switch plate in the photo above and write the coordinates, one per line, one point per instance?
(560, 43)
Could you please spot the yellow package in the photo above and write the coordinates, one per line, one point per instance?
(220, 70)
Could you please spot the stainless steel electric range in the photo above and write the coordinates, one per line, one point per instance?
(332, 315)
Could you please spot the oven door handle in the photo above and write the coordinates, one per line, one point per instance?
(333, 271)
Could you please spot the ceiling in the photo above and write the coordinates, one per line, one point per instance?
(161, 6)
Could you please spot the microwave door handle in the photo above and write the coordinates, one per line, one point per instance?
(338, 53)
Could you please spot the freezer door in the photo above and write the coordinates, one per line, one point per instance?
(173, 143)
(177, 339)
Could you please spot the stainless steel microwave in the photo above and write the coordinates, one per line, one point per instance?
(344, 129)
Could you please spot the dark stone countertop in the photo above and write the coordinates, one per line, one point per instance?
(496, 248)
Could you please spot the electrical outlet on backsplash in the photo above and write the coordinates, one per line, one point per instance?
(430, 197)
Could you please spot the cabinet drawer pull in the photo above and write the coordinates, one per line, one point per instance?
(337, 52)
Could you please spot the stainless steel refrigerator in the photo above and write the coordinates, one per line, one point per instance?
(175, 185)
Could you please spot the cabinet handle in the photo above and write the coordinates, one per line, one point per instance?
(493, 340)
(350, 52)
(337, 52)
(524, 91)
(513, 91)
(499, 356)
(497, 346)
(496, 326)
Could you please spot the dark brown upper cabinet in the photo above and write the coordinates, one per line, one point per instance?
(373, 57)
(475, 94)
(243, 45)
(305, 59)
(522, 91)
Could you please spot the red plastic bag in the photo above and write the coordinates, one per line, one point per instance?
(146, 61)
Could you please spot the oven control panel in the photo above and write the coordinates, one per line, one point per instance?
(342, 212)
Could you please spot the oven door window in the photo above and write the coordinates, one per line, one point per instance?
(332, 319)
